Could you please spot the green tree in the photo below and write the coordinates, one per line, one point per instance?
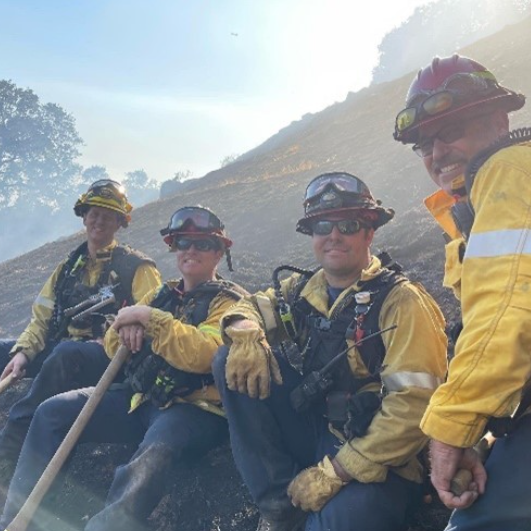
(140, 188)
(38, 147)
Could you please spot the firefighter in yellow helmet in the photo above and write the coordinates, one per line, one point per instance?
(59, 349)
(456, 118)
(168, 404)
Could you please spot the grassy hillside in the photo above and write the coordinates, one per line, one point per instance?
(259, 196)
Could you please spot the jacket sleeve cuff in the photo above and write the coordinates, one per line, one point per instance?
(157, 319)
(359, 467)
(18, 348)
(449, 431)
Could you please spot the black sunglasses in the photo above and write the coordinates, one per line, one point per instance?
(200, 244)
(324, 227)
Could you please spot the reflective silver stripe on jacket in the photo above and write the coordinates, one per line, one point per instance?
(44, 301)
(402, 380)
(498, 243)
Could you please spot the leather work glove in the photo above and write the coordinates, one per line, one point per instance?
(312, 488)
(250, 364)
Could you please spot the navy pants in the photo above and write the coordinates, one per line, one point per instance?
(163, 437)
(34, 367)
(506, 504)
(271, 443)
(70, 365)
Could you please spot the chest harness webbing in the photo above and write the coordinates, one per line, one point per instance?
(463, 212)
(69, 290)
(320, 339)
(464, 215)
(150, 374)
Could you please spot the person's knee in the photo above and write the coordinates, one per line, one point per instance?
(61, 356)
(156, 456)
(58, 412)
(218, 365)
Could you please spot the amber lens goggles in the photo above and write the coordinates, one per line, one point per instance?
(457, 90)
(324, 227)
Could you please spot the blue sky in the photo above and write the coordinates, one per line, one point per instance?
(166, 86)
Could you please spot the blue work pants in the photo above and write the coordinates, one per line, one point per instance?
(163, 437)
(70, 365)
(506, 503)
(271, 444)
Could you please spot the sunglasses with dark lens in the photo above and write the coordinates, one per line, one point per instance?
(342, 182)
(324, 227)
(201, 218)
(455, 91)
(448, 134)
(200, 244)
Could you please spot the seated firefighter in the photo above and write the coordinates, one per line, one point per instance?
(168, 404)
(333, 445)
(67, 345)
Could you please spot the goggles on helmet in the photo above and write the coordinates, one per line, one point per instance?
(342, 182)
(194, 220)
(323, 227)
(456, 91)
(188, 223)
(200, 218)
(105, 193)
(341, 193)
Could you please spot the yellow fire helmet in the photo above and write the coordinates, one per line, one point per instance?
(105, 193)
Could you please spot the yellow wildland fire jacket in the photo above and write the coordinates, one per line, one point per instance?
(413, 366)
(186, 346)
(33, 338)
(492, 275)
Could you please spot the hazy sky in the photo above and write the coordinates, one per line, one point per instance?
(172, 85)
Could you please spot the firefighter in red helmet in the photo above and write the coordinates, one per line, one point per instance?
(456, 117)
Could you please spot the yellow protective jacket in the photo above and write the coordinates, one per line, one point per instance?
(184, 346)
(492, 360)
(33, 338)
(414, 365)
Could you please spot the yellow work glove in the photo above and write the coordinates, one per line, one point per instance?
(312, 488)
(250, 364)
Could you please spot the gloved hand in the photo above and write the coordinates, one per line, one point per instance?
(312, 488)
(250, 364)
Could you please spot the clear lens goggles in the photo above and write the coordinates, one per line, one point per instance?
(200, 244)
(342, 182)
(324, 227)
(201, 218)
(457, 90)
(108, 189)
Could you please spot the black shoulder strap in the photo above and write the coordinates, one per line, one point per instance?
(196, 302)
(124, 262)
(61, 288)
(463, 212)
(373, 351)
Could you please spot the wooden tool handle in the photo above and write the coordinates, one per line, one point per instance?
(6, 382)
(24, 516)
(460, 481)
